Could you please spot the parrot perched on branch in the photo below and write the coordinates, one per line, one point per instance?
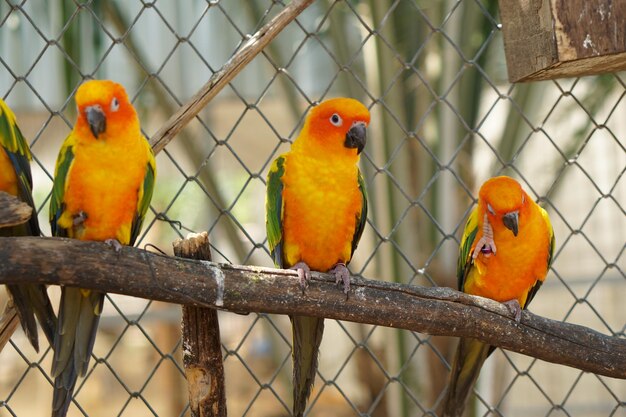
(316, 209)
(103, 183)
(505, 253)
(30, 300)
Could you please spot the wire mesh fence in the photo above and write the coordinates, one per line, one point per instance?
(444, 119)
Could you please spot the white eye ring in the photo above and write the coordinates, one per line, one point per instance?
(491, 210)
(115, 104)
(336, 120)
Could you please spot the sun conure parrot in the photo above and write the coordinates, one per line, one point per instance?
(316, 209)
(30, 300)
(505, 253)
(103, 184)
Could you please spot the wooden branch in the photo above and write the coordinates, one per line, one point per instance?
(221, 78)
(202, 346)
(8, 323)
(13, 211)
(436, 311)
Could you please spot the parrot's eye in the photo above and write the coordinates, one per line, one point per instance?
(335, 119)
(115, 104)
(491, 210)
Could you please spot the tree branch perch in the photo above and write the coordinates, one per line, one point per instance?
(229, 70)
(436, 311)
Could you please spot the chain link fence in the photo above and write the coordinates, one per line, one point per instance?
(444, 119)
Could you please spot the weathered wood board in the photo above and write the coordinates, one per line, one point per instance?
(547, 39)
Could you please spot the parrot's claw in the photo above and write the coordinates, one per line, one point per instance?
(515, 309)
(79, 218)
(485, 244)
(342, 276)
(115, 244)
(304, 273)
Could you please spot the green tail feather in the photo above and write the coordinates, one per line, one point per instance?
(79, 315)
(468, 360)
(307, 336)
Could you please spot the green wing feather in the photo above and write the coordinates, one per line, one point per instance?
(145, 195)
(63, 166)
(361, 218)
(16, 148)
(274, 209)
(465, 256)
(30, 300)
(533, 291)
(11, 137)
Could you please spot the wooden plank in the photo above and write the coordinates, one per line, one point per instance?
(547, 39)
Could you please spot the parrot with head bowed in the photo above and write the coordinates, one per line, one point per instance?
(505, 253)
(104, 179)
(30, 300)
(316, 209)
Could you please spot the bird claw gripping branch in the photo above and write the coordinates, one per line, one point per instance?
(304, 273)
(342, 276)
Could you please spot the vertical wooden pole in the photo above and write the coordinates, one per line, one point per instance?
(202, 348)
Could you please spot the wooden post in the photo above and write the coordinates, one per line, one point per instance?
(202, 347)
(547, 39)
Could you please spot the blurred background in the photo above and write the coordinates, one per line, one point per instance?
(444, 119)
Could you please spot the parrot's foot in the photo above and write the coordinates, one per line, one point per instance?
(304, 273)
(515, 309)
(342, 275)
(79, 218)
(485, 245)
(115, 244)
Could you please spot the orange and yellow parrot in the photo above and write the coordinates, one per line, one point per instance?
(316, 209)
(505, 253)
(103, 184)
(15, 178)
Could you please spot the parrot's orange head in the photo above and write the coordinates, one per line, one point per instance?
(103, 109)
(504, 201)
(338, 125)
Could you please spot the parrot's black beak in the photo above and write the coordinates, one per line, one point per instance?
(511, 221)
(356, 137)
(96, 119)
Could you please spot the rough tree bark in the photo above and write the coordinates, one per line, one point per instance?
(437, 311)
(13, 211)
(202, 346)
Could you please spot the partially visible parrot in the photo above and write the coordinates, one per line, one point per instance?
(103, 183)
(316, 209)
(30, 300)
(505, 253)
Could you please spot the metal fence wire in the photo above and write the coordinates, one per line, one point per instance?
(444, 119)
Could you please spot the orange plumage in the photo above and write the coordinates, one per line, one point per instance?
(321, 189)
(521, 260)
(316, 209)
(102, 188)
(8, 178)
(505, 254)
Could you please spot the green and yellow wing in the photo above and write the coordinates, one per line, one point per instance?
(145, 195)
(465, 250)
(361, 218)
(18, 152)
(274, 210)
(535, 288)
(61, 170)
